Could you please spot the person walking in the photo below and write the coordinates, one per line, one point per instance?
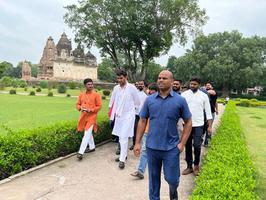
(125, 101)
(198, 102)
(163, 146)
(142, 98)
(89, 103)
(152, 88)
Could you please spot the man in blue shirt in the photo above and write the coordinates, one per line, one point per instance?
(163, 146)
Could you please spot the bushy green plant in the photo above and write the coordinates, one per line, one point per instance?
(25, 89)
(103, 97)
(228, 172)
(43, 84)
(98, 88)
(244, 102)
(61, 88)
(38, 90)
(32, 93)
(50, 94)
(27, 148)
(12, 91)
(68, 95)
(106, 92)
(72, 85)
(254, 100)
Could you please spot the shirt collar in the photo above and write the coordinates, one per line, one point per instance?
(157, 94)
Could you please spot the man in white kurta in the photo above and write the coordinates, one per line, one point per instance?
(124, 102)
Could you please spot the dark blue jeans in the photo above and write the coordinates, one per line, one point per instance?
(195, 136)
(171, 168)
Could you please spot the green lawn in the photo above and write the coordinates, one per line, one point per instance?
(253, 121)
(23, 112)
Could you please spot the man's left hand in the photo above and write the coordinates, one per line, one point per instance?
(180, 147)
(209, 130)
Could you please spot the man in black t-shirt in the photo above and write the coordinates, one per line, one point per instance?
(214, 107)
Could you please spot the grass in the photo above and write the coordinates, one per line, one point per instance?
(24, 112)
(253, 121)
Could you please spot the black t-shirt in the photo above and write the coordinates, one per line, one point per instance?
(213, 99)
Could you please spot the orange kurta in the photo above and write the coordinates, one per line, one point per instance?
(91, 101)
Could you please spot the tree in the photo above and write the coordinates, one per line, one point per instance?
(4, 68)
(228, 59)
(106, 70)
(153, 72)
(139, 30)
(34, 69)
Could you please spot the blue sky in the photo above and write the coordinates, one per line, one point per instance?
(26, 25)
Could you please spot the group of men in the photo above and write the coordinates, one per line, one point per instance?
(162, 119)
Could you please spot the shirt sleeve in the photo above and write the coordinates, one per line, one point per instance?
(78, 104)
(144, 113)
(185, 112)
(98, 103)
(112, 99)
(207, 107)
(135, 96)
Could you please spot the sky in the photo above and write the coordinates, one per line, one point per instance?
(26, 25)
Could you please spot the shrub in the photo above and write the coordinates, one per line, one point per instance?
(254, 100)
(68, 95)
(106, 92)
(27, 148)
(12, 91)
(50, 94)
(103, 97)
(61, 88)
(38, 90)
(6, 81)
(245, 103)
(227, 172)
(32, 93)
(72, 85)
(34, 86)
(22, 83)
(25, 89)
(98, 88)
(43, 84)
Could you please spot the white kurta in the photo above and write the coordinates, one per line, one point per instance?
(142, 98)
(125, 101)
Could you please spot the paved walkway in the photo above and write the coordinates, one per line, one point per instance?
(96, 177)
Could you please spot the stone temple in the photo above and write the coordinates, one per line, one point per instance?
(59, 62)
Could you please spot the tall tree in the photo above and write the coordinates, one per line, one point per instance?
(228, 59)
(106, 70)
(138, 29)
(4, 68)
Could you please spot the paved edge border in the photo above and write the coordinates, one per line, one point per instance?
(10, 178)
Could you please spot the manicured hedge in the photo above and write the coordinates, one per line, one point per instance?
(250, 103)
(228, 172)
(25, 149)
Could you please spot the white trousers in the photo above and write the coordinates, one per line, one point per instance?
(87, 139)
(123, 148)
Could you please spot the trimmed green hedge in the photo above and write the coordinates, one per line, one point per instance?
(28, 148)
(250, 103)
(228, 172)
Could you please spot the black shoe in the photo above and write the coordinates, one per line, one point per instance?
(131, 148)
(79, 156)
(117, 159)
(117, 152)
(89, 150)
(121, 165)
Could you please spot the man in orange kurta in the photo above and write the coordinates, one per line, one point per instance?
(89, 103)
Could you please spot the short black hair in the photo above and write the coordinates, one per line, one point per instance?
(145, 84)
(87, 80)
(153, 86)
(179, 80)
(209, 82)
(121, 73)
(196, 79)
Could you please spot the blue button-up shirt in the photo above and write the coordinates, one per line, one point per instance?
(164, 114)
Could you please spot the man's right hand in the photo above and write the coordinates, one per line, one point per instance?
(137, 148)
